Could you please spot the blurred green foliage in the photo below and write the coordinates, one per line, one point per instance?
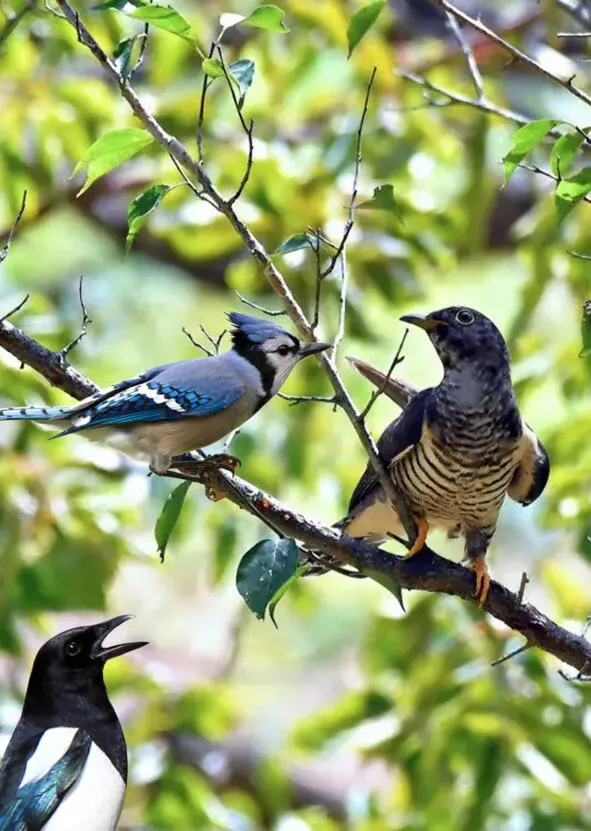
(352, 714)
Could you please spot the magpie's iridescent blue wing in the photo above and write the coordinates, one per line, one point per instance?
(200, 387)
(34, 803)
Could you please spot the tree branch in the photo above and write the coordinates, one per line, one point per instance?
(426, 571)
(14, 21)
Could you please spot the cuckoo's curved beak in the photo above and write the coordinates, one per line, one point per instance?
(423, 321)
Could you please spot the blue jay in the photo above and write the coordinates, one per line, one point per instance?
(187, 405)
(65, 766)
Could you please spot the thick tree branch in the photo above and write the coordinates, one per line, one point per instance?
(426, 571)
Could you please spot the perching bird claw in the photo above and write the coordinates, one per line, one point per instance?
(210, 463)
(479, 568)
(419, 543)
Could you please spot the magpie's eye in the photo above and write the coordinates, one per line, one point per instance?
(73, 648)
(465, 317)
(283, 350)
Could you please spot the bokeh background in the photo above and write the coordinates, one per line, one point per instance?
(351, 714)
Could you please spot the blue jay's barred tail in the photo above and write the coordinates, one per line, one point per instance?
(34, 413)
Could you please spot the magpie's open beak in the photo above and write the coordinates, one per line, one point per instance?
(312, 348)
(423, 322)
(105, 653)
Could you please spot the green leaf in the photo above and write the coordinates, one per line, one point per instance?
(295, 243)
(213, 68)
(524, 140)
(586, 330)
(166, 18)
(361, 23)
(243, 71)
(564, 151)
(282, 590)
(110, 151)
(140, 208)
(383, 199)
(169, 515)
(263, 571)
(118, 5)
(570, 191)
(122, 55)
(267, 17)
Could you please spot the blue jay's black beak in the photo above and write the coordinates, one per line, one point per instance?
(313, 348)
(423, 321)
(101, 630)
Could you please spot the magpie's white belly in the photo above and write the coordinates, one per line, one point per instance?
(95, 801)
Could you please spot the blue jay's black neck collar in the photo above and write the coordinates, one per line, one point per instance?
(66, 688)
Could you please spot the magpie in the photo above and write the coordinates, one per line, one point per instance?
(65, 767)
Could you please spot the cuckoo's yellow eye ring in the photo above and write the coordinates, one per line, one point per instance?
(465, 317)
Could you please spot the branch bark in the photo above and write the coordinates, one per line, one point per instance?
(426, 571)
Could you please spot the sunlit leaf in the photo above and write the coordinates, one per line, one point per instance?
(213, 67)
(570, 191)
(267, 17)
(564, 151)
(263, 570)
(166, 18)
(524, 140)
(110, 151)
(171, 510)
(296, 243)
(361, 23)
(383, 199)
(140, 208)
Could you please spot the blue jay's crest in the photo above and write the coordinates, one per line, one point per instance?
(254, 330)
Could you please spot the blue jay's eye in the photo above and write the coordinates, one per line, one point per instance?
(73, 648)
(465, 317)
(283, 350)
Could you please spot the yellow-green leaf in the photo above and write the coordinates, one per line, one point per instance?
(110, 151)
(361, 23)
(267, 17)
(169, 515)
(164, 17)
(524, 140)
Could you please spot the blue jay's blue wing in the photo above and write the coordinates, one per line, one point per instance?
(198, 387)
(400, 436)
(35, 802)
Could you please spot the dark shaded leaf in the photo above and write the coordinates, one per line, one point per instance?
(586, 330)
(296, 243)
(393, 586)
(383, 199)
(281, 591)
(140, 208)
(263, 570)
(169, 515)
(243, 71)
(361, 23)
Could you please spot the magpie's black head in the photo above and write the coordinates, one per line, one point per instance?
(464, 337)
(69, 668)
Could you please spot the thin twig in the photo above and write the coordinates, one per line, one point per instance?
(573, 34)
(468, 55)
(579, 256)
(86, 322)
(196, 343)
(14, 21)
(215, 342)
(269, 312)
(5, 248)
(247, 128)
(515, 652)
(351, 209)
(16, 309)
(565, 83)
(522, 585)
(397, 359)
(457, 98)
(303, 399)
(318, 292)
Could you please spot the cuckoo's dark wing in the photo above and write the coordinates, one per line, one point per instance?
(33, 804)
(396, 440)
(531, 475)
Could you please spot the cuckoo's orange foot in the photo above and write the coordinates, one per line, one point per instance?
(479, 568)
(419, 543)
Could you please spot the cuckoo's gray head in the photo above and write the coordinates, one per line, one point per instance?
(464, 338)
(272, 350)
